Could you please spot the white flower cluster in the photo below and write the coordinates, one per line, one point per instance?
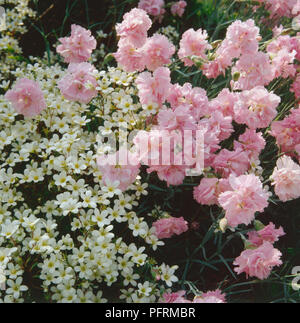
(16, 12)
(64, 234)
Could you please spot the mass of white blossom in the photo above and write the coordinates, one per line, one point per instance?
(64, 234)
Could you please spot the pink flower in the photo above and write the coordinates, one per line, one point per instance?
(205, 193)
(195, 98)
(166, 228)
(280, 8)
(79, 84)
(172, 174)
(134, 27)
(223, 60)
(282, 53)
(231, 162)
(177, 297)
(268, 233)
(207, 300)
(166, 153)
(178, 8)
(242, 38)
(179, 118)
(287, 131)
(296, 86)
(295, 42)
(208, 191)
(253, 70)
(157, 52)
(216, 293)
(252, 142)
(219, 124)
(193, 43)
(154, 89)
(153, 7)
(258, 262)
(130, 58)
(211, 297)
(256, 108)
(245, 199)
(286, 179)
(123, 166)
(26, 97)
(224, 102)
(78, 47)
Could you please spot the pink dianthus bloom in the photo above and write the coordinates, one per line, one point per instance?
(252, 70)
(242, 38)
(134, 27)
(157, 52)
(228, 162)
(296, 87)
(282, 53)
(268, 233)
(252, 142)
(153, 7)
(224, 102)
(123, 166)
(195, 98)
(218, 66)
(256, 108)
(26, 97)
(193, 43)
(172, 174)
(179, 118)
(78, 47)
(154, 89)
(287, 131)
(219, 124)
(211, 297)
(166, 228)
(208, 191)
(286, 179)
(79, 84)
(281, 8)
(177, 297)
(245, 199)
(258, 262)
(205, 193)
(178, 8)
(129, 58)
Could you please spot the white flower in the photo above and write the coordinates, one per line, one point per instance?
(167, 274)
(62, 179)
(88, 199)
(111, 189)
(16, 287)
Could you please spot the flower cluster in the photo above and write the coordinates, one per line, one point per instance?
(232, 177)
(50, 179)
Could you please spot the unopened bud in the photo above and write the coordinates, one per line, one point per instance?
(236, 76)
(109, 57)
(258, 225)
(216, 43)
(197, 61)
(223, 224)
(287, 31)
